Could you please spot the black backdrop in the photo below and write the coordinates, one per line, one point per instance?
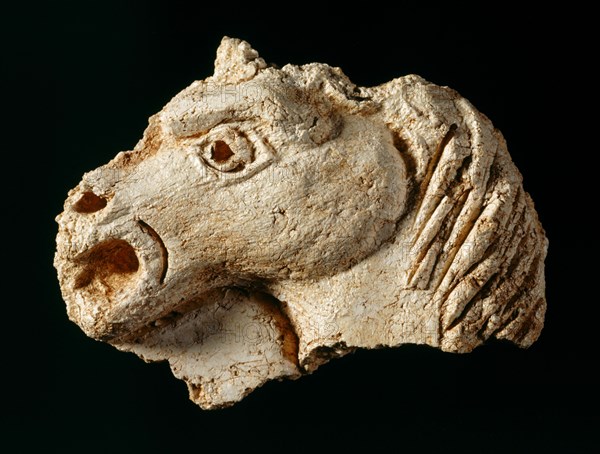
(86, 78)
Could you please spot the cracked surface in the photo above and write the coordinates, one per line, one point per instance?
(271, 220)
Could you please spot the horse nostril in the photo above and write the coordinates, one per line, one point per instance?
(89, 203)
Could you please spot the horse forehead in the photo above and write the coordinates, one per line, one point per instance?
(204, 105)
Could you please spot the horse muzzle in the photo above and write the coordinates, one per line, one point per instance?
(111, 266)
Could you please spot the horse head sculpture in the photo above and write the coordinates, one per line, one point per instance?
(340, 216)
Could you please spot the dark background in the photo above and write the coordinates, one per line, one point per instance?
(80, 82)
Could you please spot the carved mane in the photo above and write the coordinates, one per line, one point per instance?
(474, 237)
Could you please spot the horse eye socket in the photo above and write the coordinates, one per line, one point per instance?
(227, 150)
(221, 152)
(231, 153)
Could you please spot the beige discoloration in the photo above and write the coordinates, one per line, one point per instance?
(271, 219)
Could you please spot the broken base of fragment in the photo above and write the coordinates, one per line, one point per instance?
(227, 347)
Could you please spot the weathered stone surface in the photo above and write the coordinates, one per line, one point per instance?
(272, 219)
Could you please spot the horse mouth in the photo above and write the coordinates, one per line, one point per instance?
(114, 278)
(111, 263)
(114, 262)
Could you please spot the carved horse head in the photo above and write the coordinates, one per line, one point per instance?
(393, 213)
(255, 174)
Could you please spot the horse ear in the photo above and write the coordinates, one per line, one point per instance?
(236, 61)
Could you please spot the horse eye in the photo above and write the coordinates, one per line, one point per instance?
(227, 150)
(233, 152)
(221, 152)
